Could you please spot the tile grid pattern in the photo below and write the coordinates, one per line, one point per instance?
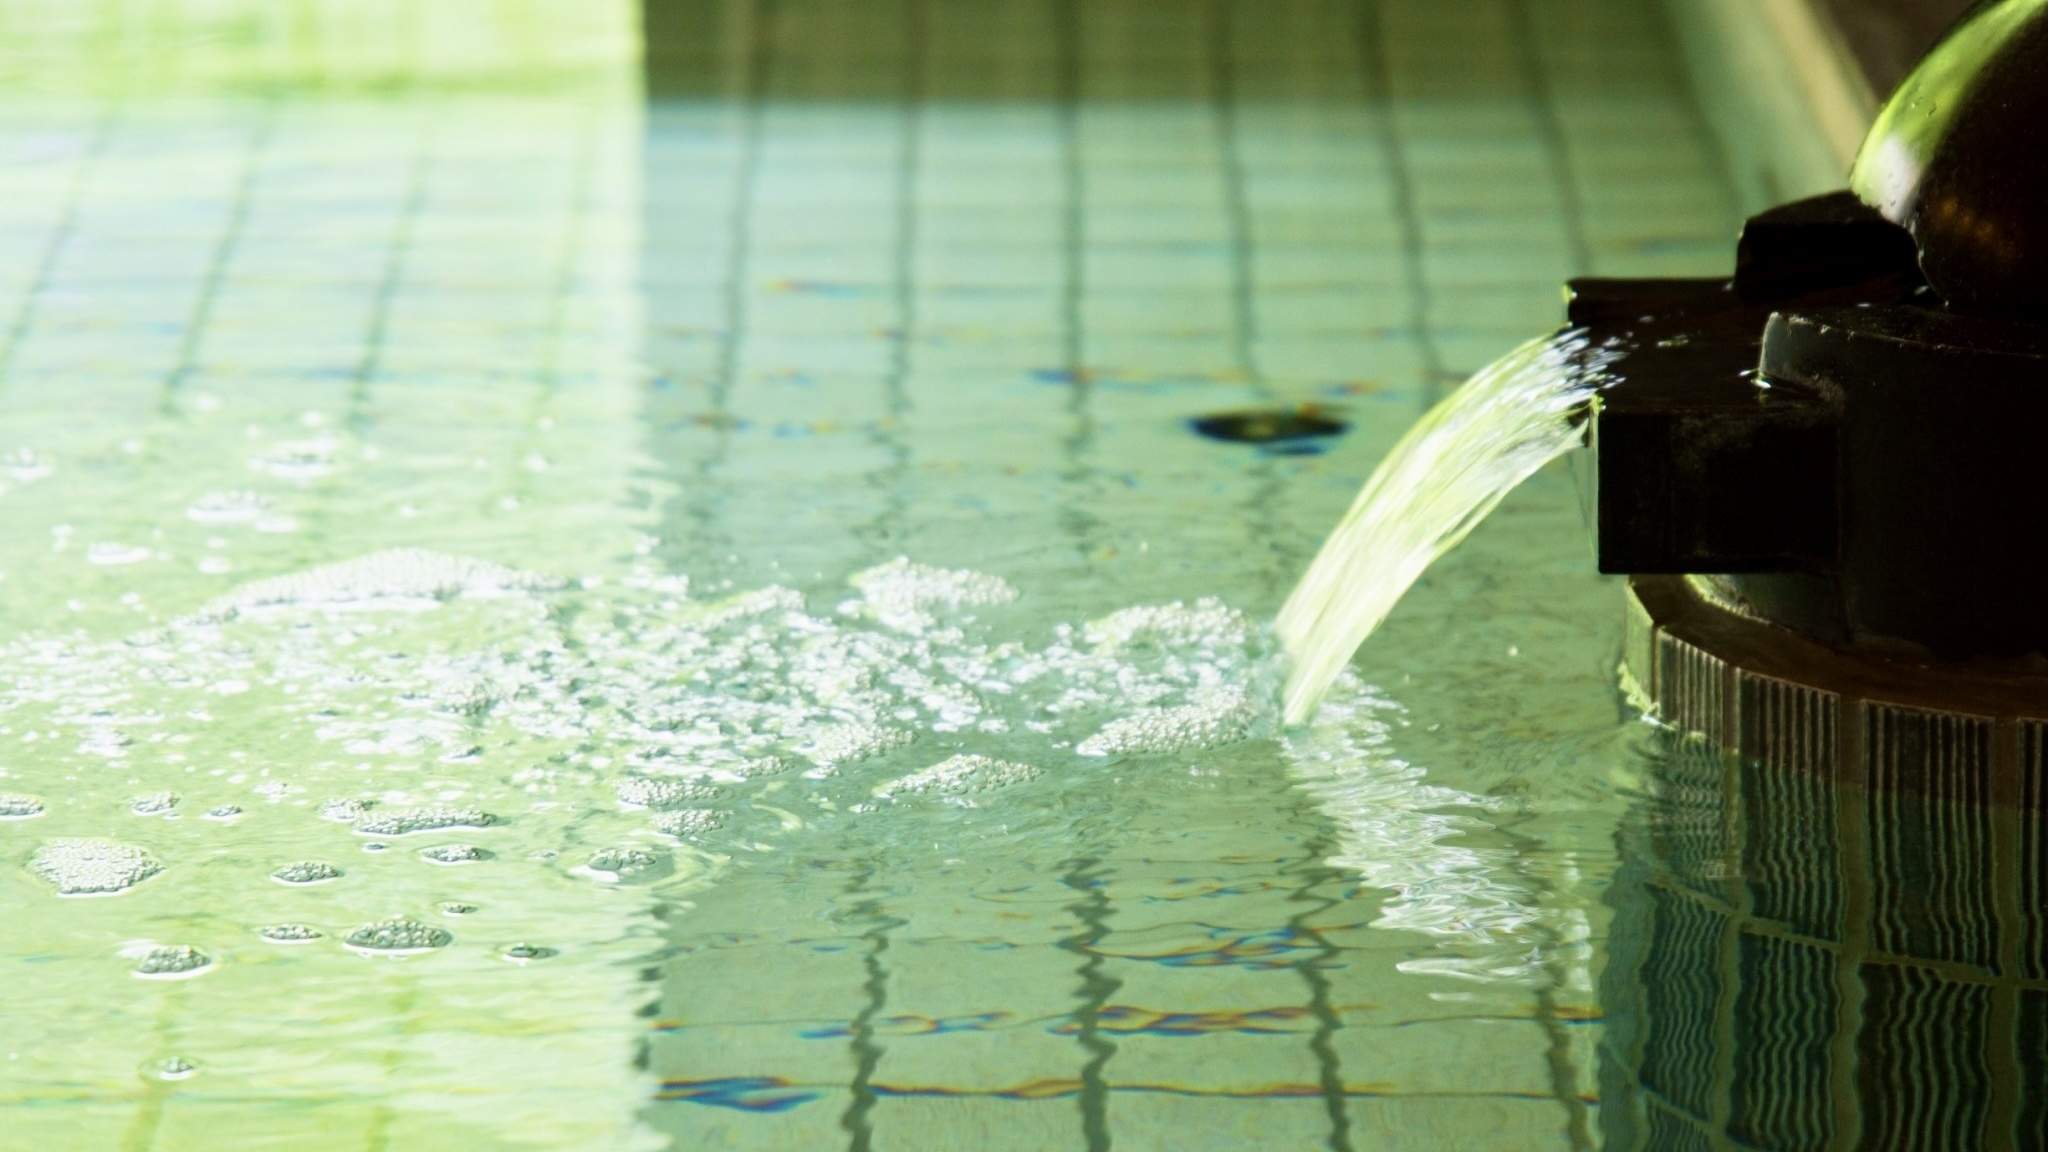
(1219, 207)
(1127, 213)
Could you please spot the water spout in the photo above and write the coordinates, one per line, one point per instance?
(1447, 473)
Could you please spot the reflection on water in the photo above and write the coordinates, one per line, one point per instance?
(1801, 965)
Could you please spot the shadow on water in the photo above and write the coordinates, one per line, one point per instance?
(1801, 965)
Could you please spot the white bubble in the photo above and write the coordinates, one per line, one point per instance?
(639, 792)
(15, 806)
(398, 936)
(960, 775)
(454, 854)
(171, 1068)
(687, 823)
(107, 553)
(289, 933)
(628, 865)
(154, 804)
(400, 574)
(172, 962)
(901, 594)
(26, 465)
(238, 507)
(343, 810)
(298, 460)
(846, 743)
(306, 872)
(434, 818)
(91, 867)
(1217, 716)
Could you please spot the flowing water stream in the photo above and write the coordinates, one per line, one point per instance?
(1447, 473)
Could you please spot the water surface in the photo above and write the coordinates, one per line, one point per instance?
(616, 393)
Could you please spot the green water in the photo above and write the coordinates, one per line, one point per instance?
(412, 412)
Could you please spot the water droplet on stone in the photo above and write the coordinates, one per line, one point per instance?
(527, 953)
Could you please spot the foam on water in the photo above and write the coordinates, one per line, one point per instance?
(1444, 476)
(1219, 714)
(961, 775)
(618, 746)
(431, 818)
(306, 872)
(661, 795)
(172, 1068)
(26, 465)
(902, 595)
(345, 809)
(172, 962)
(396, 575)
(398, 936)
(628, 865)
(14, 806)
(290, 933)
(853, 742)
(689, 823)
(236, 507)
(93, 867)
(154, 804)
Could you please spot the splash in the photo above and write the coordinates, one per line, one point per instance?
(1452, 469)
(1420, 842)
(460, 792)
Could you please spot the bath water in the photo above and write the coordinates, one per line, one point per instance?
(567, 597)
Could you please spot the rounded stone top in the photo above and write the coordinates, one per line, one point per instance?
(1959, 157)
